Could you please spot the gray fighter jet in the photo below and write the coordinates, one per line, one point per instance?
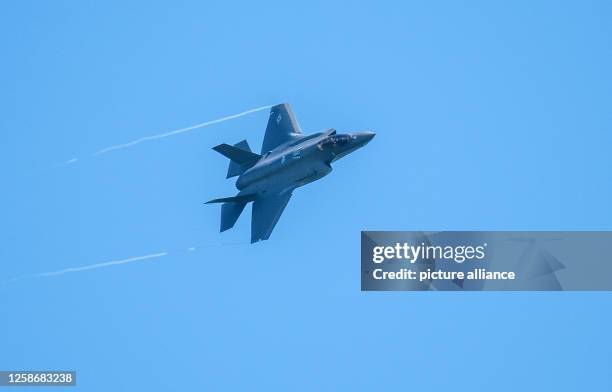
(288, 160)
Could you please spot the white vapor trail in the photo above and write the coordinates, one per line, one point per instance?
(176, 131)
(101, 265)
(117, 262)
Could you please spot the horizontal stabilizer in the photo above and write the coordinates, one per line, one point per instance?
(235, 168)
(233, 199)
(237, 154)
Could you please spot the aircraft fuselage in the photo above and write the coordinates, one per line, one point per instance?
(299, 162)
(288, 160)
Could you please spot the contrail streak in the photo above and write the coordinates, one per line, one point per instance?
(177, 131)
(101, 265)
(117, 262)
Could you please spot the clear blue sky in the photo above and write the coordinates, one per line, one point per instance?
(489, 115)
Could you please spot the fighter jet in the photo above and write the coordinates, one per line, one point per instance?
(288, 160)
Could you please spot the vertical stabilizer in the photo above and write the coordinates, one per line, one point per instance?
(229, 214)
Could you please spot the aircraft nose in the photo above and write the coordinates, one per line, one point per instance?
(364, 137)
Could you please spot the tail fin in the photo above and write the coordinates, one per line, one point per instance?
(230, 213)
(240, 155)
(231, 209)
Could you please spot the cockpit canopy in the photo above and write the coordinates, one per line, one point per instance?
(336, 141)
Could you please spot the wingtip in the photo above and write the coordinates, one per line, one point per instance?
(278, 105)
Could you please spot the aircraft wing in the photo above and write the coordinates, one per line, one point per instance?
(282, 127)
(266, 212)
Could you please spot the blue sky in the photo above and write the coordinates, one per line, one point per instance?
(489, 116)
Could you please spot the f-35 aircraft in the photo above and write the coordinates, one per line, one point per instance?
(288, 160)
